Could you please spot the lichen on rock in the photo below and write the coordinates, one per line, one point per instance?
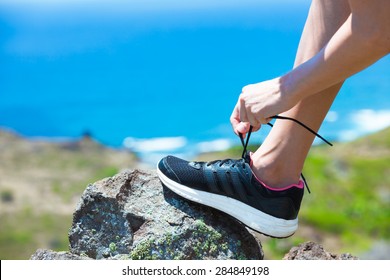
(131, 215)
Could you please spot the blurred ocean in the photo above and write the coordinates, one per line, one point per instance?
(159, 77)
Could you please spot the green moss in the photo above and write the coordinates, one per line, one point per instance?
(112, 247)
(143, 251)
(198, 242)
(210, 241)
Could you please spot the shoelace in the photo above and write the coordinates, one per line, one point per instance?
(230, 162)
(246, 141)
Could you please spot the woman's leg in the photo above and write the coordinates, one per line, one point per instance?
(280, 159)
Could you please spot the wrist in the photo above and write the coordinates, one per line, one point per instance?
(289, 88)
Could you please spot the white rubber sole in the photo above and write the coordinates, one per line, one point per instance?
(251, 217)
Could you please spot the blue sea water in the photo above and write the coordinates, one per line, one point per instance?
(159, 77)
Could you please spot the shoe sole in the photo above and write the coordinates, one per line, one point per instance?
(251, 217)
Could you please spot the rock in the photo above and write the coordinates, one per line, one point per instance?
(313, 251)
(132, 216)
(43, 254)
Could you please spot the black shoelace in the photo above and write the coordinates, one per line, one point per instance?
(230, 162)
(246, 141)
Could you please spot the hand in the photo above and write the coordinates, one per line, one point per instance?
(239, 127)
(257, 104)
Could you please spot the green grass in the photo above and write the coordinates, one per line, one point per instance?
(346, 197)
(67, 190)
(347, 182)
(60, 171)
(21, 234)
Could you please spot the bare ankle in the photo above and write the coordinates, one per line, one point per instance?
(273, 173)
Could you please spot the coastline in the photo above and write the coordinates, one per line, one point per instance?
(149, 151)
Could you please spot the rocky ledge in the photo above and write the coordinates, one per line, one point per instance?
(132, 216)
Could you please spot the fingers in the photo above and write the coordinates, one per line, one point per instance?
(257, 104)
(242, 109)
(255, 128)
(235, 119)
(246, 114)
(243, 128)
(239, 127)
(240, 121)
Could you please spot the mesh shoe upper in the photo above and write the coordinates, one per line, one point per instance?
(233, 178)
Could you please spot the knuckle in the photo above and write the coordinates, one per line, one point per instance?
(246, 88)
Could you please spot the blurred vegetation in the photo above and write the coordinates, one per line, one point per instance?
(23, 232)
(40, 185)
(348, 209)
(349, 205)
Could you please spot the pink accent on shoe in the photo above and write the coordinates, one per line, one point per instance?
(300, 184)
(250, 156)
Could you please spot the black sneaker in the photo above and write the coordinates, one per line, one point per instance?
(231, 187)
